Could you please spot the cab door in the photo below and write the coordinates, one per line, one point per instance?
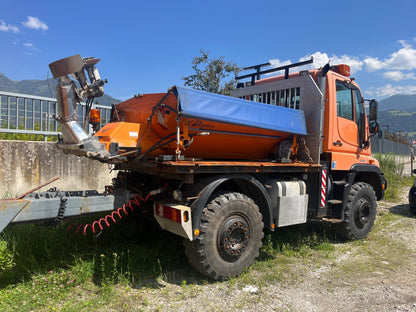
(350, 118)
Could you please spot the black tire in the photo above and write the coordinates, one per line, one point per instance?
(230, 237)
(360, 213)
(412, 200)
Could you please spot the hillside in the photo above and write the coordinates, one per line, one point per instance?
(400, 102)
(41, 88)
(398, 113)
(398, 121)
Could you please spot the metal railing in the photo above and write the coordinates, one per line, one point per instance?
(23, 113)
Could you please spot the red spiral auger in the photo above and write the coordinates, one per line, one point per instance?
(106, 221)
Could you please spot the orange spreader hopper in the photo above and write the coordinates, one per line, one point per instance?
(199, 124)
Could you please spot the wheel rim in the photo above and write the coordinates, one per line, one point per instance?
(362, 213)
(234, 238)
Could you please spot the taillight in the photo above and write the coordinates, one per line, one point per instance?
(171, 213)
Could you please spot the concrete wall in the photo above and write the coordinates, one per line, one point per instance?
(25, 165)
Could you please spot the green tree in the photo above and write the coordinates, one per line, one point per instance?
(212, 74)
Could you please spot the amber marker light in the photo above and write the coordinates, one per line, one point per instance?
(95, 116)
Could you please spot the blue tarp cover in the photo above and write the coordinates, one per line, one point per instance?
(221, 108)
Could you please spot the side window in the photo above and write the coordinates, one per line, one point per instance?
(359, 107)
(344, 101)
(360, 117)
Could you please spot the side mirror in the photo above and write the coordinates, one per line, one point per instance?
(380, 134)
(374, 127)
(373, 110)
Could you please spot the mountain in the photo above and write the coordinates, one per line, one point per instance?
(41, 88)
(397, 121)
(398, 102)
(398, 113)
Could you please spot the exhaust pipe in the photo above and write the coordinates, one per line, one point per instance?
(74, 139)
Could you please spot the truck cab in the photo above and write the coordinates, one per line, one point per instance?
(339, 132)
(339, 129)
(346, 138)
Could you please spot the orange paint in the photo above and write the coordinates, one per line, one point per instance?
(156, 127)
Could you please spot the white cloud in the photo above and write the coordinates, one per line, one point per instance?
(274, 63)
(7, 28)
(398, 75)
(354, 62)
(373, 64)
(30, 46)
(389, 90)
(398, 66)
(321, 59)
(277, 63)
(403, 59)
(35, 23)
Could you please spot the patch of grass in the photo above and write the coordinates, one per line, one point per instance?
(26, 136)
(6, 257)
(401, 113)
(392, 169)
(8, 195)
(56, 270)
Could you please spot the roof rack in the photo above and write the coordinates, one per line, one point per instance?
(256, 76)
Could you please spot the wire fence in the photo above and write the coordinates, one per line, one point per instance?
(384, 146)
(30, 114)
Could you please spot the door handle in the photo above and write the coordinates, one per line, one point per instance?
(337, 143)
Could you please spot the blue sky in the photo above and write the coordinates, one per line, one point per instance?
(147, 46)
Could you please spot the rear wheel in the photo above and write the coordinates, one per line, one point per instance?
(230, 237)
(412, 200)
(360, 212)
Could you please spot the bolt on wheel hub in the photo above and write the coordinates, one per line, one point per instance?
(234, 238)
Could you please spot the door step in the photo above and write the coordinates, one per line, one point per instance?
(330, 220)
(339, 183)
(334, 201)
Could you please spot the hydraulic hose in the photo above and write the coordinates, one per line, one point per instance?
(111, 218)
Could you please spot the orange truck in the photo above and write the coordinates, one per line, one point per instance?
(219, 170)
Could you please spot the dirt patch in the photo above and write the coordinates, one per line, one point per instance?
(376, 274)
(362, 279)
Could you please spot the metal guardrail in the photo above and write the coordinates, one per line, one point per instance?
(31, 114)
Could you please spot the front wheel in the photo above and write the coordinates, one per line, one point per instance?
(360, 212)
(412, 200)
(230, 237)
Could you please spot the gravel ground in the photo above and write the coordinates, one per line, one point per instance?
(342, 283)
